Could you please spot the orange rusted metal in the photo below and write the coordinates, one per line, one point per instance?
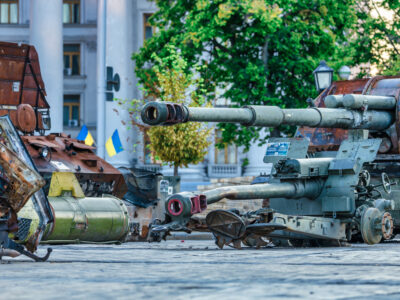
(22, 90)
(95, 175)
(22, 180)
(329, 139)
(19, 183)
(23, 98)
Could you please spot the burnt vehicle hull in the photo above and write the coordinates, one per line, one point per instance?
(96, 176)
(23, 98)
(20, 184)
(97, 189)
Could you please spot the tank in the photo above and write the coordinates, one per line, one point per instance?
(311, 195)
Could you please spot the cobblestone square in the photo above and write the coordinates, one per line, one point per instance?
(199, 270)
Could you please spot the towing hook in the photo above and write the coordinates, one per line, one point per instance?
(35, 257)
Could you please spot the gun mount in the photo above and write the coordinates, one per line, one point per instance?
(310, 198)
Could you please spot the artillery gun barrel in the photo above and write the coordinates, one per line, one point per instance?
(164, 113)
(295, 189)
(355, 101)
(185, 204)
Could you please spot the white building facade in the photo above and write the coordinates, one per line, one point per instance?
(65, 35)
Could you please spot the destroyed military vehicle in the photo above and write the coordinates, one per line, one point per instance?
(320, 189)
(54, 188)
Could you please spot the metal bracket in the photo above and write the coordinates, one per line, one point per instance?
(113, 83)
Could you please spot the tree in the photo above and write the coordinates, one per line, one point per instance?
(176, 145)
(254, 51)
(378, 35)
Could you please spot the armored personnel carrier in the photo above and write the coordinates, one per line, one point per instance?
(323, 195)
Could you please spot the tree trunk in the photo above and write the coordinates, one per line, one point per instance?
(175, 170)
(265, 56)
(275, 132)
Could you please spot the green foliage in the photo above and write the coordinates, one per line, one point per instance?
(176, 145)
(254, 51)
(378, 35)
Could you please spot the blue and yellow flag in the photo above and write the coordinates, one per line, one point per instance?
(113, 144)
(84, 135)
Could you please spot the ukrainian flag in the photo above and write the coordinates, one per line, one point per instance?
(113, 144)
(84, 135)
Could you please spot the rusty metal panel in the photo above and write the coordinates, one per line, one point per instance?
(10, 137)
(21, 83)
(325, 139)
(95, 175)
(22, 180)
(329, 139)
(387, 86)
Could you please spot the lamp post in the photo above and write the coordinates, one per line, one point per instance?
(344, 73)
(323, 76)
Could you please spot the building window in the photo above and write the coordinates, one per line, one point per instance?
(71, 11)
(8, 11)
(71, 110)
(148, 30)
(227, 154)
(72, 56)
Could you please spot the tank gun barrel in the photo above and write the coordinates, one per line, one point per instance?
(164, 113)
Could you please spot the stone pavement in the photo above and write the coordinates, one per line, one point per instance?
(198, 270)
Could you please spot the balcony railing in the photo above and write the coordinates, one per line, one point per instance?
(150, 167)
(224, 170)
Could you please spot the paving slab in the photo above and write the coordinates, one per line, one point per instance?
(199, 270)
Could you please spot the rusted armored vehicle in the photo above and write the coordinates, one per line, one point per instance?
(23, 98)
(320, 188)
(63, 185)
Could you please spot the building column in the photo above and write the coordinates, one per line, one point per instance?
(255, 156)
(119, 49)
(46, 34)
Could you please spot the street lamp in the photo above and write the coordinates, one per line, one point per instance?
(323, 76)
(344, 73)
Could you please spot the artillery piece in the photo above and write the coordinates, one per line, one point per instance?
(328, 197)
